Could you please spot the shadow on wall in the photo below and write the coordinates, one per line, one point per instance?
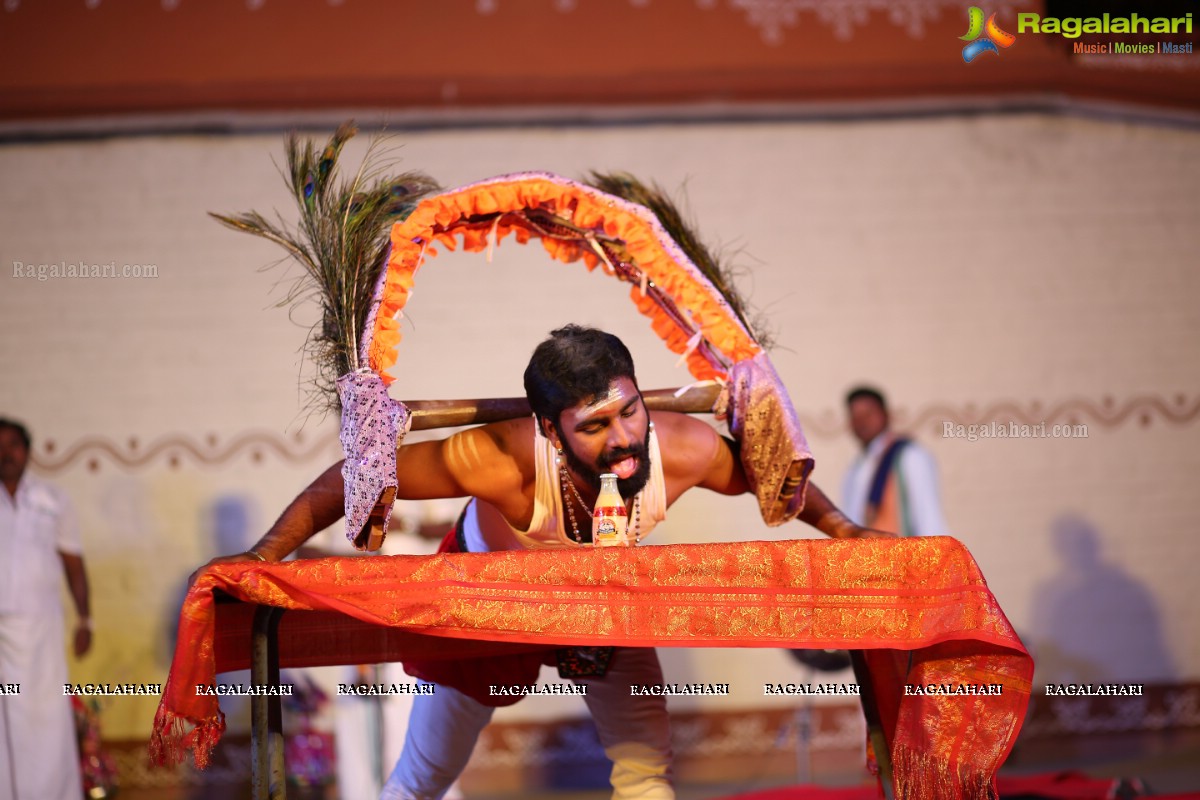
(228, 524)
(225, 528)
(1093, 622)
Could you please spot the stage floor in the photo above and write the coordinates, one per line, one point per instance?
(1167, 762)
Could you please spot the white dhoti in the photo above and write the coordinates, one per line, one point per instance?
(368, 731)
(634, 731)
(39, 759)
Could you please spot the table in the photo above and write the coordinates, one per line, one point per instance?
(919, 611)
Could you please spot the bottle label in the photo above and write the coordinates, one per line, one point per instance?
(608, 526)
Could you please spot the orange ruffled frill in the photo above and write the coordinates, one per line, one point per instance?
(443, 217)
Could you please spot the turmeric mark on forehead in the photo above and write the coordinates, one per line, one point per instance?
(599, 402)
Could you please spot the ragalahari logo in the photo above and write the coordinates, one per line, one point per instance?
(993, 38)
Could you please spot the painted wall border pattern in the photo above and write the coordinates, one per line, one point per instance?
(173, 451)
(773, 17)
(1162, 707)
(770, 17)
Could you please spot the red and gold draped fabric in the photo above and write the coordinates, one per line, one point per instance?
(920, 607)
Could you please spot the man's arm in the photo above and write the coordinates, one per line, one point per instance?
(820, 512)
(476, 462)
(696, 455)
(70, 553)
(321, 504)
(77, 584)
(701, 457)
(422, 472)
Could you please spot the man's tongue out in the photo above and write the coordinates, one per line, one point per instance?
(624, 468)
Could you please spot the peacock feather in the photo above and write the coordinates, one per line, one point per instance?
(340, 241)
(721, 275)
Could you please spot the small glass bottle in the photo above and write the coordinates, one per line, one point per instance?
(610, 522)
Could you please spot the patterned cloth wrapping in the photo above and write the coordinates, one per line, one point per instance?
(373, 425)
(924, 596)
(774, 452)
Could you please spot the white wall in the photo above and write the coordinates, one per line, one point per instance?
(954, 261)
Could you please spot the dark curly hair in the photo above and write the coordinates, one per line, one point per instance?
(869, 392)
(20, 429)
(574, 365)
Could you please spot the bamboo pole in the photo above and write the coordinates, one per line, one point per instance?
(429, 414)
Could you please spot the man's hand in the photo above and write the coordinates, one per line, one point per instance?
(871, 533)
(233, 559)
(820, 512)
(83, 638)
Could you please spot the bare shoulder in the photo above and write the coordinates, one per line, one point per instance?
(493, 459)
(490, 461)
(513, 438)
(694, 454)
(688, 444)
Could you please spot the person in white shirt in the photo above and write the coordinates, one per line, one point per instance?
(39, 544)
(893, 484)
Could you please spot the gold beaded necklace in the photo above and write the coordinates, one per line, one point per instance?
(567, 482)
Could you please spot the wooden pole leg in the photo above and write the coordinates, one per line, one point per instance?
(267, 778)
(875, 733)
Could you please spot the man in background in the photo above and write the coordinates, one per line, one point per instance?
(893, 484)
(39, 544)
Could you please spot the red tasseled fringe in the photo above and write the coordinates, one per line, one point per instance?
(925, 776)
(170, 739)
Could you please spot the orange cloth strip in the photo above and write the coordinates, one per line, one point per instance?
(925, 596)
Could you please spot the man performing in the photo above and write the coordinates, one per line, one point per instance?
(39, 544)
(533, 482)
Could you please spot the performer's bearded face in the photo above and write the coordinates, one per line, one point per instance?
(609, 433)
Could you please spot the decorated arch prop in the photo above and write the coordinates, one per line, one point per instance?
(362, 243)
(574, 222)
